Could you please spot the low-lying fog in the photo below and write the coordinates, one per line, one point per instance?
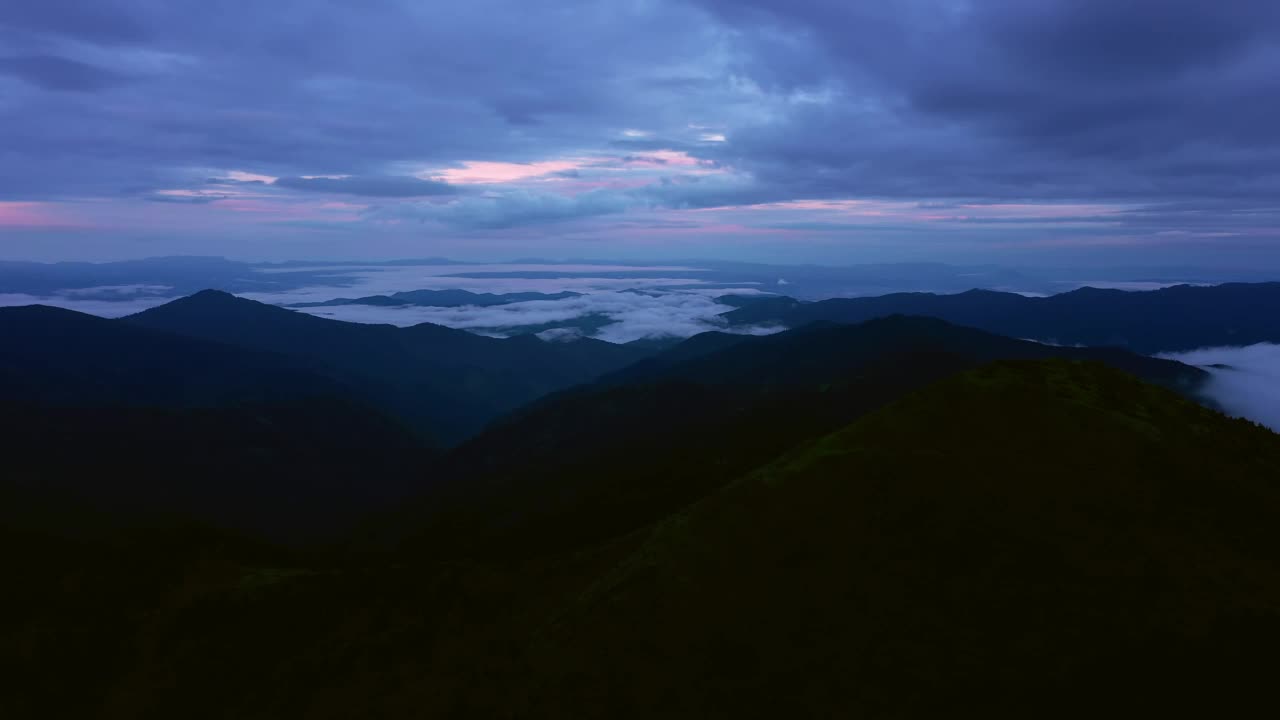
(1247, 384)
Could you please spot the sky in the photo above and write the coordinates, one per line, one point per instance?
(1090, 132)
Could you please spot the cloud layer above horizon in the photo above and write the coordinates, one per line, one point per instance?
(993, 130)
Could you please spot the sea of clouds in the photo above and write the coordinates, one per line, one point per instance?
(651, 302)
(654, 302)
(94, 306)
(632, 315)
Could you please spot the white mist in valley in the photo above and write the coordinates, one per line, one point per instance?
(1246, 381)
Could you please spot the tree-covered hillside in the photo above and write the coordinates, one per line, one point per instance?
(1032, 537)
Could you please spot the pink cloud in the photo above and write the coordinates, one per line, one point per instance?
(35, 215)
(242, 176)
(658, 159)
(836, 205)
(475, 172)
(485, 172)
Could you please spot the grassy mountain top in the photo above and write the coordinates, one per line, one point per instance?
(1024, 537)
(601, 460)
(1032, 537)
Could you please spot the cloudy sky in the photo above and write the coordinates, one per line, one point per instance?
(1082, 131)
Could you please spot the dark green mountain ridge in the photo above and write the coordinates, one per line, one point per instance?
(605, 458)
(897, 518)
(1040, 537)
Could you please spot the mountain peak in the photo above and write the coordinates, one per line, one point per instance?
(211, 295)
(40, 310)
(216, 306)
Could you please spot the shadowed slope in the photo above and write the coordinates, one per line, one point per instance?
(822, 350)
(1033, 537)
(449, 382)
(62, 357)
(1028, 539)
(601, 460)
(103, 423)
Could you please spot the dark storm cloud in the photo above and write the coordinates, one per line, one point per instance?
(104, 21)
(384, 186)
(1150, 103)
(296, 88)
(1058, 98)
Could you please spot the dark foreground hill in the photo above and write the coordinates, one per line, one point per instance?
(1025, 539)
(296, 470)
(1172, 319)
(448, 383)
(603, 459)
(822, 351)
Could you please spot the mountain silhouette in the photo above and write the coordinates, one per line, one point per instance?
(1172, 319)
(448, 383)
(1036, 537)
(105, 423)
(61, 357)
(601, 460)
(894, 518)
(1026, 538)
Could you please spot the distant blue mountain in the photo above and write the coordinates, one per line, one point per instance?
(446, 382)
(1177, 318)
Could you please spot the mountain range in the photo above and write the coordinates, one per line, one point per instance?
(249, 415)
(1172, 319)
(448, 383)
(621, 452)
(219, 508)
